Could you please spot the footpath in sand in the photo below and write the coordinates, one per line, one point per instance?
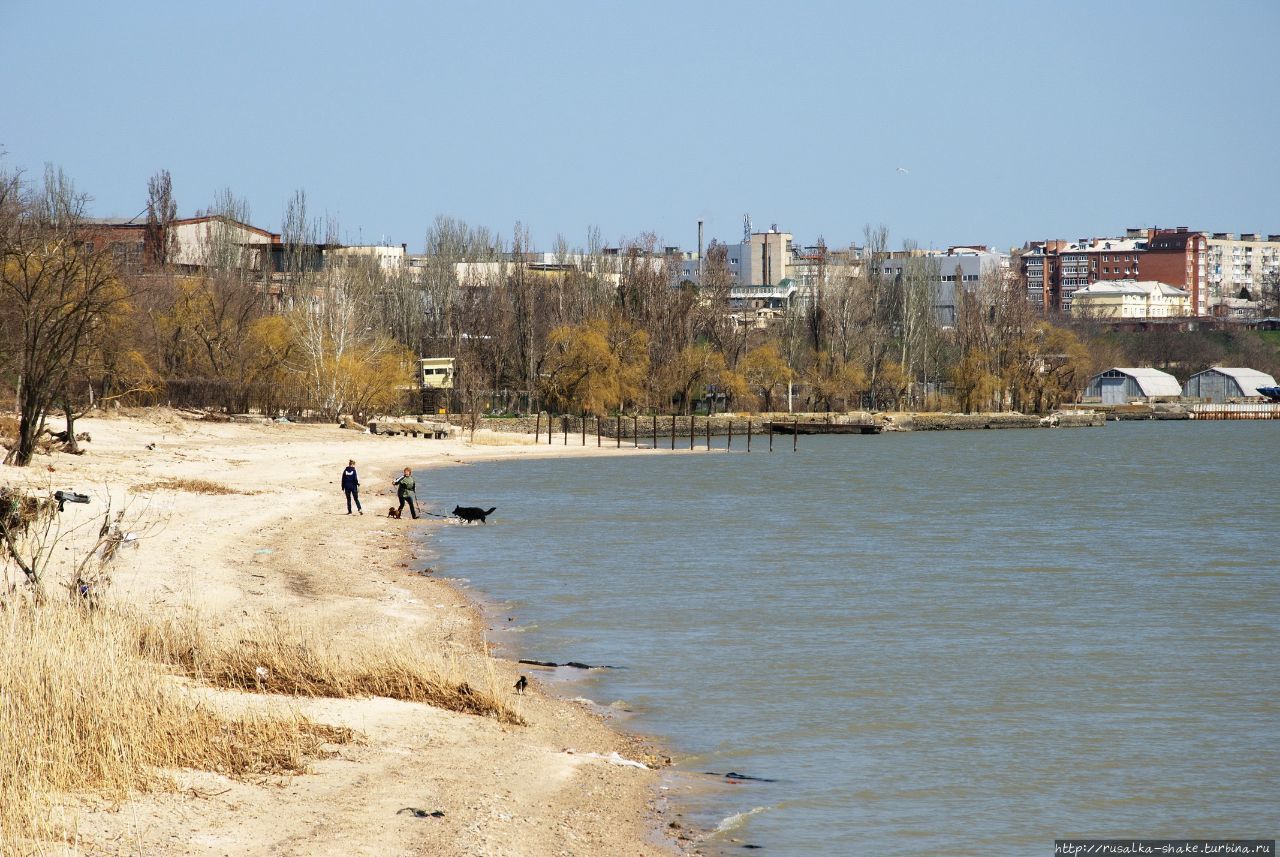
(284, 547)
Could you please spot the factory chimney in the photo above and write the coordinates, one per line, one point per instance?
(699, 252)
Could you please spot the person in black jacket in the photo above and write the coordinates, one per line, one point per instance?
(351, 486)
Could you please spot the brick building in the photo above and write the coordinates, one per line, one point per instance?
(1176, 257)
(1053, 270)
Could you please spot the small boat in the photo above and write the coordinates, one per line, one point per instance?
(1272, 393)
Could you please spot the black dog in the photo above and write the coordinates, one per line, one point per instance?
(471, 514)
(521, 684)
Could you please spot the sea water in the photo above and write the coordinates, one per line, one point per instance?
(932, 643)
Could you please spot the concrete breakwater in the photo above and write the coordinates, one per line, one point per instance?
(645, 428)
(952, 422)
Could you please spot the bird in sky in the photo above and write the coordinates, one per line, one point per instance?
(904, 170)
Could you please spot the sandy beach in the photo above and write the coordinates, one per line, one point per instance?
(283, 548)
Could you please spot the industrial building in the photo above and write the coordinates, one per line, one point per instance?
(1121, 385)
(1222, 384)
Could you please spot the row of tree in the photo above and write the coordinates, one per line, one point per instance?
(78, 330)
(595, 332)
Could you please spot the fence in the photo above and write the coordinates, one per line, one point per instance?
(653, 432)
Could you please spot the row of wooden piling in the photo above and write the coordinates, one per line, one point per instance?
(619, 432)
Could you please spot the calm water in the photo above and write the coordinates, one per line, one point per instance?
(945, 643)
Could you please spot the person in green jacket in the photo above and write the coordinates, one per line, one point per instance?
(406, 490)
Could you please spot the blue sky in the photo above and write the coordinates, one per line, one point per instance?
(1014, 121)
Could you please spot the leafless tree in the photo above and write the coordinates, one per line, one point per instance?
(162, 211)
(56, 289)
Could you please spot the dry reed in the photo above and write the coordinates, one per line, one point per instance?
(280, 658)
(191, 486)
(82, 713)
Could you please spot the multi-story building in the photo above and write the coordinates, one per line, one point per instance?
(1054, 270)
(1130, 299)
(949, 271)
(1236, 265)
(1218, 270)
(1176, 257)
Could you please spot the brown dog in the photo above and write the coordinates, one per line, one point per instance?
(393, 512)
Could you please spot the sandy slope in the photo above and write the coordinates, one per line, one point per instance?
(288, 550)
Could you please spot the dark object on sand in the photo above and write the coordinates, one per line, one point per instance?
(521, 684)
(420, 813)
(69, 497)
(471, 514)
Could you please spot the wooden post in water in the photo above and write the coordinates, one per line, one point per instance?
(748, 434)
(673, 432)
(795, 436)
(692, 419)
(584, 429)
(550, 428)
(770, 437)
(708, 434)
(635, 431)
(655, 429)
(728, 444)
(617, 441)
(597, 432)
(537, 427)
(564, 424)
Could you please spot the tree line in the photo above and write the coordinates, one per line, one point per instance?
(596, 332)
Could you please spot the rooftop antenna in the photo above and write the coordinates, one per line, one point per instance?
(746, 229)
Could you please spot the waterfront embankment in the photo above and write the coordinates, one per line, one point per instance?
(667, 430)
(276, 546)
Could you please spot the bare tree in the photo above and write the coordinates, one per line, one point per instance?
(162, 211)
(56, 289)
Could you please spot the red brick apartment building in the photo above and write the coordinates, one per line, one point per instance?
(1053, 270)
(1176, 257)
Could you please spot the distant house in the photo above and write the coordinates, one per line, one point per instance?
(1130, 299)
(1120, 386)
(1221, 384)
(214, 240)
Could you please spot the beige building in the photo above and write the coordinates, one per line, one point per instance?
(215, 241)
(1130, 299)
(385, 257)
(1232, 263)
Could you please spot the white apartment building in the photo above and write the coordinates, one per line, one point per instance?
(1232, 263)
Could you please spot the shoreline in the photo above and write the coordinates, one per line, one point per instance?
(282, 548)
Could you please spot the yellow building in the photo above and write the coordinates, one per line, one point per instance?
(437, 373)
(1130, 299)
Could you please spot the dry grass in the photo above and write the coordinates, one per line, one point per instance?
(279, 658)
(81, 712)
(191, 486)
(8, 429)
(489, 437)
